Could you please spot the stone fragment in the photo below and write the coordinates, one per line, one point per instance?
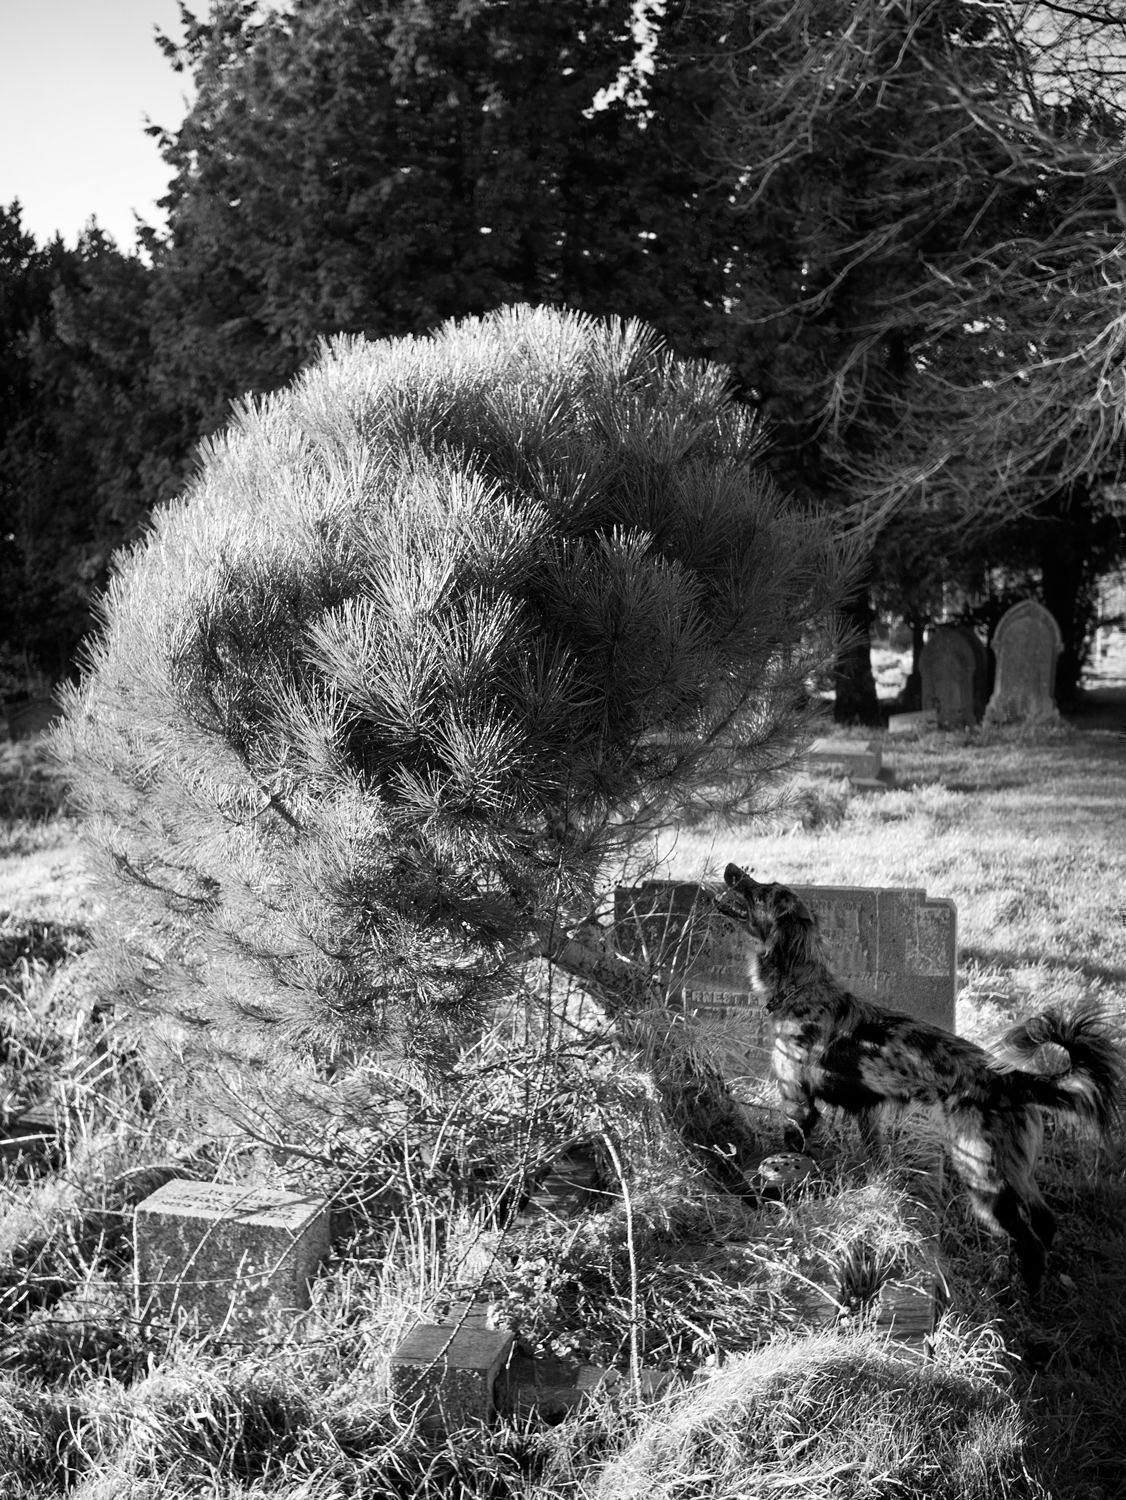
(228, 1256)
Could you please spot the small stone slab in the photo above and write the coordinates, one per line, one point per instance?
(229, 1256)
(919, 722)
(859, 760)
(447, 1375)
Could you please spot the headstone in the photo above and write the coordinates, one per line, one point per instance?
(1026, 645)
(858, 760)
(953, 676)
(897, 947)
(229, 1256)
(447, 1375)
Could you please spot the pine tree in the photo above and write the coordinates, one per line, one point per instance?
(437, 631)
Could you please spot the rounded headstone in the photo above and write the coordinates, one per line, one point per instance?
(1026, 645)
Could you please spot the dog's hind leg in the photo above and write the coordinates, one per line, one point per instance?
(1006, 1210)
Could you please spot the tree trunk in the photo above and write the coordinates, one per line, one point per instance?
(854, 685)
(1069, 587)
(694, 1094)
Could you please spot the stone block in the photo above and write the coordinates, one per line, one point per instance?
(918, 722)
(227, 1256)
(856, 759)
(448, 1375)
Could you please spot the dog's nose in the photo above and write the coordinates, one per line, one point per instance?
(733, 874)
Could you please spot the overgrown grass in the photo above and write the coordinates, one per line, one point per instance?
(1028, 836)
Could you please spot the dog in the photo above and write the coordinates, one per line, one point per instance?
(831, 1047)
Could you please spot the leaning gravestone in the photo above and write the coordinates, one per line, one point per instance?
(953, 676)
(1026, 644)
(897, 947)
(230, 1256)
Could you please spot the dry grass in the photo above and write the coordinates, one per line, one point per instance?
(1029, 837)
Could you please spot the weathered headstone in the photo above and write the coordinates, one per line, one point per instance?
(897, 947)
(1026, 645)
(447, 1375)
(953, 676)
(229, 1256)
(858, 760)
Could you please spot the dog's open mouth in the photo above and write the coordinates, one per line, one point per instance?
(732, 906)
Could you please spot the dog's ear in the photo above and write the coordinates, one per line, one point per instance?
(799, 908)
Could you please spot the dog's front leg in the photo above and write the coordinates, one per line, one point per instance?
(801, 1116)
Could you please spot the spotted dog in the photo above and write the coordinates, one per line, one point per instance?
(831, 1047)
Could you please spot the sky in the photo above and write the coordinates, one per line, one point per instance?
(77, 79)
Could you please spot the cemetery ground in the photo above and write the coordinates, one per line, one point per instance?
(1025, 831)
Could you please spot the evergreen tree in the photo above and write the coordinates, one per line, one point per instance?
(375, 167)
(437, 632)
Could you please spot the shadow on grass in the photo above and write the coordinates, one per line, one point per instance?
(1072, 1349)
(1035, 958)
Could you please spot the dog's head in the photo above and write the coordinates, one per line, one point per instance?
(779, 919)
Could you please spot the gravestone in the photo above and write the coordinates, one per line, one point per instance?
(953, 676)
(447, 1375)
(1026, 645)
(858, 760)
(229, 1256)
(897, 947)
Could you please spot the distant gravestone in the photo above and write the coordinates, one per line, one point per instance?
(1026, 645)
(858, 760)
(897, 947)
(952, 669)
(230, 1256)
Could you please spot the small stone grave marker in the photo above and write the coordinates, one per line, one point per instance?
(229, 1255)
(448, 1374)
(895, 946)
(917, 722)
(953, 676)
(858, 760)
(1026, 645)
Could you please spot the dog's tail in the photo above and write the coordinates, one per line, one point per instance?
(1092, 1087)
